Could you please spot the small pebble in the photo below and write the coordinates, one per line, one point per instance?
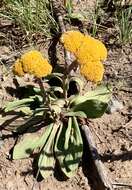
(114, 105)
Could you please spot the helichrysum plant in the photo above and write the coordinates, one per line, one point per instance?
(56, 109)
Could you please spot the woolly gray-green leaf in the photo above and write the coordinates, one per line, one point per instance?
(75, 147)
(57, 89)
(77, 114)
(92, 108)
(69, 147)
(46, 159)
(29, 142)
(94, 103)
(101, 93)
(25, 109)
(17, 104)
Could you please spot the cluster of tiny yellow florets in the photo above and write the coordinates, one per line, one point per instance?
(72, 40)
(89, 53)
(93, 71)
(33, 63)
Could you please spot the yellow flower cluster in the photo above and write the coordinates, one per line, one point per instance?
(93, 71)
(32, 62)
(72, 40)
(91, 50)
(89, 53)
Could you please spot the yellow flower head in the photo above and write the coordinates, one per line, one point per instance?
(84, 46)
(92, 71)
(33, 62)
(91, 50)
(30, 59)
(41, 68)
(17, 68)
(101, 50)
(72, 40)
(89, 53)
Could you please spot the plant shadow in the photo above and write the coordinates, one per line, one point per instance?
(90, 170)
(55, 170)
(52, 52)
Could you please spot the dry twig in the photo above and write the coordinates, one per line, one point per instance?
(59, 12)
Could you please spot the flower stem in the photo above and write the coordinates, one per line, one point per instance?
(65, 86)
(46, 98)
(42, 88)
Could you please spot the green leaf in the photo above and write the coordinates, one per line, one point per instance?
(57, 89)
(46, 159)
(67, 134)
(29, 142)
(69, 147)
(102, 93)
(93, 103)
(17, 104)
(75, 147)
(59, 150)
(77, 16)
(38, 98)
(77, 114)
(29, 124)
(26, 110)
(37, 90)
(92, 108)
(39, 111)
(79, 82)
(77, 135)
